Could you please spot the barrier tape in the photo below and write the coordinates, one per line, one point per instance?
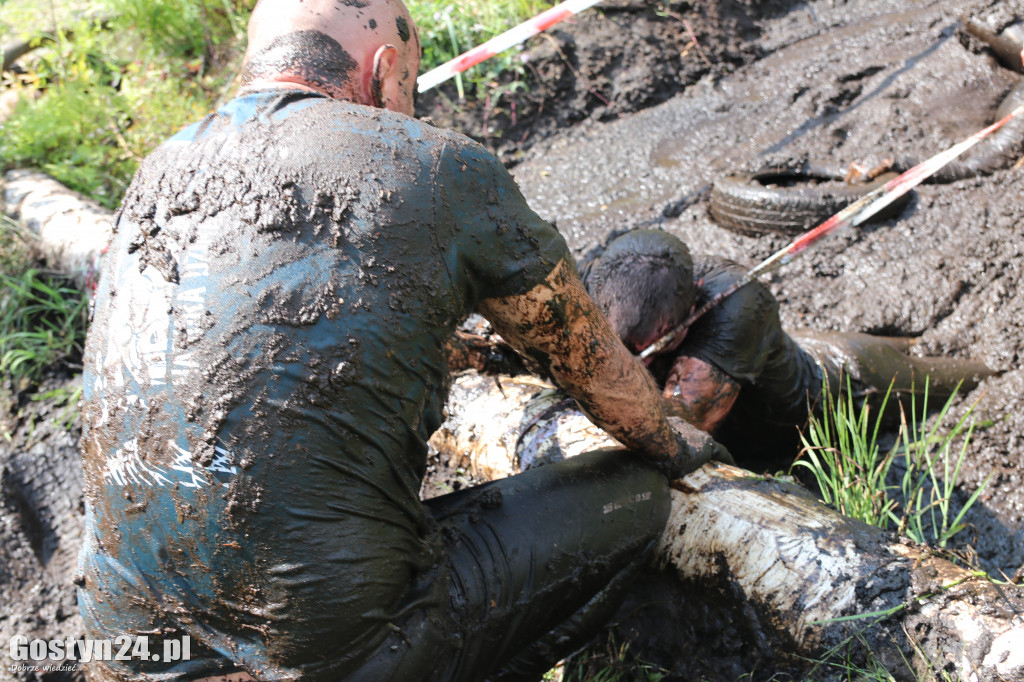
(854, 214)
(502, 42)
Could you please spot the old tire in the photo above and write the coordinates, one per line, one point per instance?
(786, 201)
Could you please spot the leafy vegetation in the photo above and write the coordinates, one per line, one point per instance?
(842, 451)
(117, 80)
(115, 83)
(447, 30)
(42, 321)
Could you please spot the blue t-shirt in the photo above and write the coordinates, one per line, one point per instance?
(266, 364)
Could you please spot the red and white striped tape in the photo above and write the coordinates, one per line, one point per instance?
(854, 214)
(502, 42)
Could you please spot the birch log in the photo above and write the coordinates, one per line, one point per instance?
(71, 231)
(814, 582)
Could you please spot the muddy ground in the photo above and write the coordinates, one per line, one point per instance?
(840, 83)
(828, 83)
(627, 124)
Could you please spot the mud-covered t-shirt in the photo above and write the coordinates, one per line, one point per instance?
(266, 361)
(743, 336)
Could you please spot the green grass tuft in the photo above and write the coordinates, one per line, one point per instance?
(42, 321)
(842, 451)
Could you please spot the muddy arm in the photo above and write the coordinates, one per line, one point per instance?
(702, 393)
(558, 325)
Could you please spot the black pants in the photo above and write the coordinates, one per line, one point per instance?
(869, 364)
(537, 564)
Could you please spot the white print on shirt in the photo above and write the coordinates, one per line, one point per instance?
(139, 332)
(140, 355)
(126, 466)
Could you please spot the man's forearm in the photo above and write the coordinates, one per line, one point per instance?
(558, 324)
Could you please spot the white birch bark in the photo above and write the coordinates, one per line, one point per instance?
(810, 575)
(71, 232)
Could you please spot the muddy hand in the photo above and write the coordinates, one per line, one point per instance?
(696, 448)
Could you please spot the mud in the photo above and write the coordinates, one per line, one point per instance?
(825, 82)
(605, 63)
(841, 83)
(403, 29)
(853, 82)
(40, 520)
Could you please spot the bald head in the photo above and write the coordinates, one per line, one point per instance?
(366, 51)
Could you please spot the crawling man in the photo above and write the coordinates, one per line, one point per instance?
(267, 362)
(736, 373)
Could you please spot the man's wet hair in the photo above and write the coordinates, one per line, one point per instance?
(312, 55)
(643, 281)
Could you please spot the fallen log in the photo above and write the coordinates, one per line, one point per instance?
(71, 232)
(809, 582)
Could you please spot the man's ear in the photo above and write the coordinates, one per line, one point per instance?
(384, 60)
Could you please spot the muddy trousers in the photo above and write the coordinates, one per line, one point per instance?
(532, 567)
(538, 564)
(868, 364)
(873, 363)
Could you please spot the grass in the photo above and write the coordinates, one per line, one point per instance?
(842, 450)
(42, 319)
(119, 79)
(611, 662)
(42, 322)
(907, 487)
(449, 29)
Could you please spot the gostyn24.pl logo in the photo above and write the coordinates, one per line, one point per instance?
(124, 648)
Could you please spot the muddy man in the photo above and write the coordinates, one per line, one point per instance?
(267, 362)
(735, 373)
